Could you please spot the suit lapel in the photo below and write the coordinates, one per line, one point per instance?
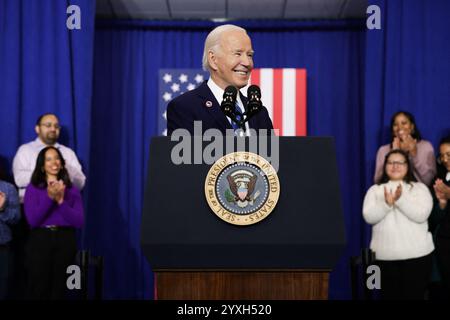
(215, 112)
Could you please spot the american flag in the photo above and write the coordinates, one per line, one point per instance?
(283, 93)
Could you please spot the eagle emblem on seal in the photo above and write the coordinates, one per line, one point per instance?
(242, 185)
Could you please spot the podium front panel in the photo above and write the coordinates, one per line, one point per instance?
(305, 230)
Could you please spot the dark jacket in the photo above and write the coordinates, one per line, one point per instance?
(201, 105)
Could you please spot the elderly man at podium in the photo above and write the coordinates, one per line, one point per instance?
(228, 56)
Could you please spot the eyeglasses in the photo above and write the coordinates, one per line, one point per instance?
(49, 125)
(443, 156)
(396, 163)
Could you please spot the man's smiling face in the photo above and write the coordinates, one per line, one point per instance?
(233, 61)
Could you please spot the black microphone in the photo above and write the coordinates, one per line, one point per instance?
(228, 104)
(254, 104)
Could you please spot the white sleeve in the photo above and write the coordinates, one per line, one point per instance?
(22, 167)
(374, 206)
(416, 203)
(74, 169)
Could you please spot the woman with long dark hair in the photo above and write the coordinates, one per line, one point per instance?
(54, 209)
(405, 135)
(398, 208)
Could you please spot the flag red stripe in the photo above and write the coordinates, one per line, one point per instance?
(278, 100)
(300, 103)
(256, 77)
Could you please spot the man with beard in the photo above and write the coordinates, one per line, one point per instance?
(48, 129)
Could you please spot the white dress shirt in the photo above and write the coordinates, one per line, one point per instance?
(25, 161)
(218, 94)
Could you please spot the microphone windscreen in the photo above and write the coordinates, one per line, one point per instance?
(253, 90)
(230, 91)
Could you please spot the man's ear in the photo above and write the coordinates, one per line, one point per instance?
(212, 57)
(36, 128)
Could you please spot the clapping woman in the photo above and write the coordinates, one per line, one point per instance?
(54, 209)
(398, 208)
(406, 136)
(441, 212)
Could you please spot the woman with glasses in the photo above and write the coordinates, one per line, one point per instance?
(440, 218)
(54, 209)
(398, 207)
(406, 136)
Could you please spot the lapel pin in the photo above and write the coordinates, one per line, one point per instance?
(208, 104)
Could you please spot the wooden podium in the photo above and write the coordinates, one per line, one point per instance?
(287, 256)
(242, 285)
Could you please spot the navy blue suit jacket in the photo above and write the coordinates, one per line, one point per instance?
(192, 106)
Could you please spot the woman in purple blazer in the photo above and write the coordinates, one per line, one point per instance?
(54, 209)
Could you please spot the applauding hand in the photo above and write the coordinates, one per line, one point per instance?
(2, 200)
(409, 144)
(56, 190)
(442, 192)
(391, 197)
(405, 142)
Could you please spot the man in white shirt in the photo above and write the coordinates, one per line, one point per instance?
(48, 130)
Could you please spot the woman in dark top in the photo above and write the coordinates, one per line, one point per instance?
(9, 215)
(440, 219)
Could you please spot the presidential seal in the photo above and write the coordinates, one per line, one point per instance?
(242, 188)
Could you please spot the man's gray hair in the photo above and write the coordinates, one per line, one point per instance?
(212, 41)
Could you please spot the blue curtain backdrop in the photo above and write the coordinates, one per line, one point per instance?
(407, 67)
(127, 58)
(356, 80)
(45, 67)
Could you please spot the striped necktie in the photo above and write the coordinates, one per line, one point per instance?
(238, 113)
